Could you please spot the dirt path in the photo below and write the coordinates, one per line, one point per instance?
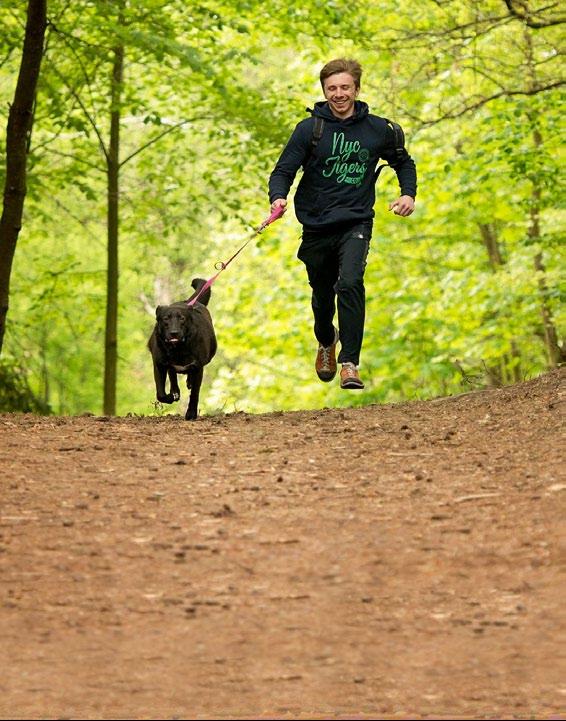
(386, 562)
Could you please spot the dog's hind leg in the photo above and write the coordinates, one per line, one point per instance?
(174, 389)
(194, 380)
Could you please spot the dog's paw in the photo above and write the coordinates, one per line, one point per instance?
(176, 395)
(167, 398)
(191, 415)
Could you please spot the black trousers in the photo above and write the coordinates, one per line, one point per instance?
(335, 259)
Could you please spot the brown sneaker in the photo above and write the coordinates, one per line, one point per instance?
(326, 360)
(349, 377)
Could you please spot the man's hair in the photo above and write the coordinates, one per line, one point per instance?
(341, 65)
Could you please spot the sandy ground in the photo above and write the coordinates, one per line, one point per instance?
(397, 561)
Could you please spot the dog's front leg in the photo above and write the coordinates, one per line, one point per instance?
(160, 374)
(194, 380)
(174, 389)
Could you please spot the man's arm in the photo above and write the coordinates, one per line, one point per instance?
(293, 156)
(406, 171)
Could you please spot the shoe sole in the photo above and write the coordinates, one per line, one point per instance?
(326, 378)
(352, 385)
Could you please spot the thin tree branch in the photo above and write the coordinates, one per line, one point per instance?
(484, 74)
(527, 17)
(39, 119)
(483, 101)
(79, 59)
(62, 10)
(18, 19)
(69, 36)
(82, 106)
(7, 57)
(73, 157)
(161, 135)
(491, 22)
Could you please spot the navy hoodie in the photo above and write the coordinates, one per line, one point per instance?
(338, 184)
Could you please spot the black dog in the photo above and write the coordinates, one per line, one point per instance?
(183, 341)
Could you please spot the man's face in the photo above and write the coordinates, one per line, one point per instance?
(340, 91)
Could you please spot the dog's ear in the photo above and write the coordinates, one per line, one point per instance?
(159, 310)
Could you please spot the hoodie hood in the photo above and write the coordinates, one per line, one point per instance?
(322, 110)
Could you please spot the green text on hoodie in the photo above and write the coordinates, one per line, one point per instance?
(338, 183)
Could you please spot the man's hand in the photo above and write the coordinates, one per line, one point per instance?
(404, 206)
(279, 203)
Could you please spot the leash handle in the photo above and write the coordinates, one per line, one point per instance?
(275, 215)
(220, 265)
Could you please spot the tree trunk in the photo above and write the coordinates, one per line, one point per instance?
(491, 243)
(509, 368)
(555, 353)
(20, 120)
(113, 166)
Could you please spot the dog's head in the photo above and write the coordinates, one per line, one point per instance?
(173, 323)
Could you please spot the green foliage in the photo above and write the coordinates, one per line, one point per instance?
(15, 392)
(211, 94)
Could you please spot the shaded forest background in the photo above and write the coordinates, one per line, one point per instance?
(155, 127)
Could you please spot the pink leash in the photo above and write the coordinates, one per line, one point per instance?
(220, 266)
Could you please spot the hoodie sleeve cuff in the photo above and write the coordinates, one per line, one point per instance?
(411, 192)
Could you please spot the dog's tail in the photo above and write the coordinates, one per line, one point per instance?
(197, 284)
